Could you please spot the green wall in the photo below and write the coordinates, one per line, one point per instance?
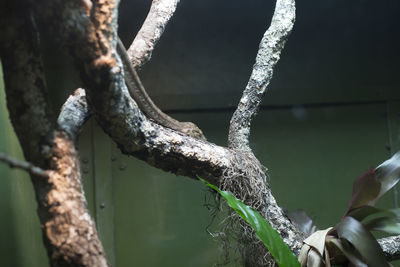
(312, 159)
(21, 241)
(147, 217)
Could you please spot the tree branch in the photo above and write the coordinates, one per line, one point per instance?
(74, 113)
(153, 27)
(102, 72)
(69, 228)
(268, 55)
(25, 84)
(23, 165)
(113, 107)
(69, 233)
(63, 207)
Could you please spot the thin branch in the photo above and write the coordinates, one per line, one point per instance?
(146, 105)
(74, 113)
(23, 165)
(268, 55)
(153, 27)
(139, 53)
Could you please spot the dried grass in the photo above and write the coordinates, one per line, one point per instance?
(246, 180)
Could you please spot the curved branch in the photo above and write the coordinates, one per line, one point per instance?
(116, 112)
(139, 53)
(146, 105)
(94, 52)
(153, 27)
(74, 113)
(162, 147)
(268, 55)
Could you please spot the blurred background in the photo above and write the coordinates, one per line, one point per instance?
(331, 111)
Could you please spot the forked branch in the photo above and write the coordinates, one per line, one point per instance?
(93, 29)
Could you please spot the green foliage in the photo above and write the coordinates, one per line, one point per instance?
(352, 231)
(351, 240)
(269, 236)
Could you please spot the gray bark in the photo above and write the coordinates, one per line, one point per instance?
(153, 27)
(268, 55)
(92, 26)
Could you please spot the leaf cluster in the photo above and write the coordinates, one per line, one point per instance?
(351, 242)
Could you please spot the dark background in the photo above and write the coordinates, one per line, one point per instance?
(339, 51)
(332, 111)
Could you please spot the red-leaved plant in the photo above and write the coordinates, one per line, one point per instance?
(350, 242)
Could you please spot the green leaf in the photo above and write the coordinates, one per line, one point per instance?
(389, 225)
(366, 211)
(268, 235)
(388, 173)
(363, 241)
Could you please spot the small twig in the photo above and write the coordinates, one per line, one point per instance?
(153, 27)
(24, 165)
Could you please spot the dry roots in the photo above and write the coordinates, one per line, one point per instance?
(246, 180)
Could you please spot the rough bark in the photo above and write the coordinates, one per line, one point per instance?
(390, 247)
(68, 231)
(88, 30)
(119, 116)
(74, 113)
(268, 55)
(24, 78)
(153, 27)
